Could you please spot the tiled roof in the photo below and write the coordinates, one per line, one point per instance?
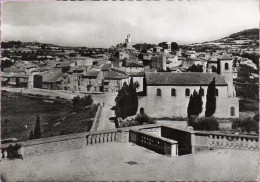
(133, 64)
(106, 67)
(15, 70)
(16, 75)
(113, 75)
(225, 57)
(136, 74)
(54, 78)
(189, 78)
(91, 74)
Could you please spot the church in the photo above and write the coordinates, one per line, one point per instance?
(167, 94)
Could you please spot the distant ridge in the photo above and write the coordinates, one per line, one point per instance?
(249, 33)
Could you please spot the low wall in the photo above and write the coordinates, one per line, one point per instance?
(210, 141)
(155, 143)
(190, 141)
(173, 141)
(62, 143)
(182, 136)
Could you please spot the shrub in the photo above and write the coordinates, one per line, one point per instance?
(141, 119)
(207, 123)
(79, 103)
(245, 125)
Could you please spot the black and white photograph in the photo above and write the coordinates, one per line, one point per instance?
(129, 90)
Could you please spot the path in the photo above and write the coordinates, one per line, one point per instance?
(106, 112)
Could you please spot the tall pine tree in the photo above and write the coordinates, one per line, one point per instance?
(211, 99)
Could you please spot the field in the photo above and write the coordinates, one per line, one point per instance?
(19, 117)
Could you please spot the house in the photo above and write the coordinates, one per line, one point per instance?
(92, 81)
(135, 67)
(53, 82)
(72, 80)
(189, 62)
(114, 80)
(168, 94)
(17, 80)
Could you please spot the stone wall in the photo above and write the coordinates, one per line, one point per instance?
(190, 141)
(183, 138)
(63, 142)
(155, 143)
(176, 106)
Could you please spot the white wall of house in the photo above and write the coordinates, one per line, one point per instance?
(168, 106)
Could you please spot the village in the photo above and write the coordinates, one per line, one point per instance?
(84, 70)
(130, 90)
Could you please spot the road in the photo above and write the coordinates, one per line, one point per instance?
(106, 112)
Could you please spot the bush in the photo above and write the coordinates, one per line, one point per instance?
(79, 103)
(208, 124)
(141, 119)
(246, 125)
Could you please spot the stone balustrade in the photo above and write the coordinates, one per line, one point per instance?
(155, 143)
(232, 141)
(101, 137)
(171, 141)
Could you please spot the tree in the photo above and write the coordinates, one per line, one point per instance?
(211, 99)
(195, 68)
(208, 124)
(133, 98)
(190, 106)
(6, 64)
(195, 104)
(174, 46)
(126, 101)
(37, 129)
(245, 125)
(80, 103)
(198, 101)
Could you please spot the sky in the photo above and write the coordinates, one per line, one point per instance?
(106, 23)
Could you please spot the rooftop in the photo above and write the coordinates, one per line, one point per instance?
(91, 74)
(113, 75)
(225, 57)
(188, 78)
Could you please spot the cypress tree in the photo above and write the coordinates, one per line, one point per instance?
(190, 106)
(211, 99)
(199, 102)
(144, 86)
(133, 99)
(37, 129)
(126, 101)
(195, 104)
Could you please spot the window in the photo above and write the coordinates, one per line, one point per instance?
(187, 92)
(216, 92)
(201, 92)
(173, 92)
(226, 66)
(232, 111)
(159, 92)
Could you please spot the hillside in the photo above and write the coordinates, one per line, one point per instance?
(250, 34)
